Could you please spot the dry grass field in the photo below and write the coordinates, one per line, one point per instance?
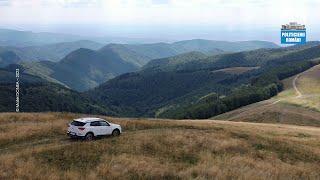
(308, 83)
(34, 146)
(289, 106)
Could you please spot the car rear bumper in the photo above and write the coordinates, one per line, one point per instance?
(73, 135)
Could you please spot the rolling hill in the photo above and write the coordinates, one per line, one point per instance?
(175, 86)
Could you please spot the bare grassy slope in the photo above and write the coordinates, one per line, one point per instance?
(307, 89)
(236, 70)
(34, 146)
(298, 104)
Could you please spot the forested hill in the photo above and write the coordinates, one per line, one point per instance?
(226, 60)
(38, 95)
(197, 90)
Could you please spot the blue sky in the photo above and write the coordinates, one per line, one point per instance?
(171, 18)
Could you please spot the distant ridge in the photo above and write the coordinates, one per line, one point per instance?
(51, 52)
(84, 68)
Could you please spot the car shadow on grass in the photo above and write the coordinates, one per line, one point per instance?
(98, 138)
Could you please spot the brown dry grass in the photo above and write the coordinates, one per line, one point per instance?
(34, 146)
(308, 84)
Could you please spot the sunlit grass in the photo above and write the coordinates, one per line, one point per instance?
(157, 149)
(308, 84)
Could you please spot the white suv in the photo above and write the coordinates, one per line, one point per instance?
(88, 128)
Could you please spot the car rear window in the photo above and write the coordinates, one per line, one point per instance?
(77, 123)
(95, 123)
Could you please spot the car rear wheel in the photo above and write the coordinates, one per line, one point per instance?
(89, 137)
(115, 132)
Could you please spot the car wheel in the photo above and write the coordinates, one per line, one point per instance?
(115, 132)
(89, 137)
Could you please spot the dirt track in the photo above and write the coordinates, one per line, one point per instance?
(288, 107)
(294, 82)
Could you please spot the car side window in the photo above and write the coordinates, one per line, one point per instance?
(103, 123)
(95, 123)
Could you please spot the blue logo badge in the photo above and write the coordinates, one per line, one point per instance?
(293, 33)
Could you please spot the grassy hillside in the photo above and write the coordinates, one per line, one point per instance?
(297, 104)
(306, 92)
(158, 149)
(236, 70)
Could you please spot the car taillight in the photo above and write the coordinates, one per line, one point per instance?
(81, 128)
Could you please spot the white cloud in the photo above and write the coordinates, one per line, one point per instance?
(229, 13)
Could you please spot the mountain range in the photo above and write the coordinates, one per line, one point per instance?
(182, 85)
(186, 79)
(84, 69)
(17, 38)
(52, 52)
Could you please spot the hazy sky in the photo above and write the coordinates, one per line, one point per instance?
(171, 18)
